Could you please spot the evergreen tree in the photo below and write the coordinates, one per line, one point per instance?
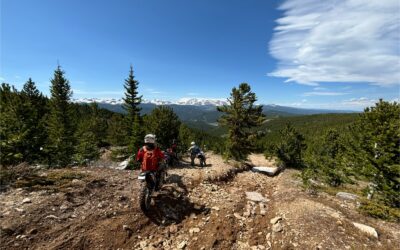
(89, 136)
(11, 127)
(61, 123)
(164, 123)
(375, 149)
(241, 118)
(116, 133)
(34, 119)
(291, 147)
(132, 101)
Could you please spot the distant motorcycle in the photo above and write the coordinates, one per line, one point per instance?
(202, 158)
(151, 181)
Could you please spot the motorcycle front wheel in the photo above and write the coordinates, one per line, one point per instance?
(144, 197)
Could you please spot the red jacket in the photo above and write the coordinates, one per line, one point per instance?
(150, 159)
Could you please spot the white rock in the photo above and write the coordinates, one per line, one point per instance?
(143, 244)
(26, 200)
(51, 217)
(271, 171)
(366, 229)
(255, 196)
(277, 227)
(275, 220)
(194, 230)
(346, 196)
(182, 245)
(123, 165)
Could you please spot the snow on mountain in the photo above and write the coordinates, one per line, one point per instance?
(182, 101)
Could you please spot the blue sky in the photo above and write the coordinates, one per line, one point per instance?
(341, 54)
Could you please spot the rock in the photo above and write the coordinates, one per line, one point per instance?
(26, 200)
(173, 229)
(19, 210)
(261, 247)
(182, 245)
(123, 165)
(63, 207)
(263, 211)
(237, 216)
(100, 205)
(215, 208)
(143, 244)
(270, 171)
(194, 230)
(126, 228)
(275, 220)
(277, 227)
(255, 196)
(366, 229)
(33, 231)
(268, 236)
(51, 217)
(347, 196)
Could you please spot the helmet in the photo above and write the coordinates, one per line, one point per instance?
(150, 138)
(192, 143)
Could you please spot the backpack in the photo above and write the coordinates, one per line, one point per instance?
(150, 161)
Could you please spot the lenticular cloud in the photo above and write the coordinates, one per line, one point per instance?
(338, 41)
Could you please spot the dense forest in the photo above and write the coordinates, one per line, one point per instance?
(334, 149)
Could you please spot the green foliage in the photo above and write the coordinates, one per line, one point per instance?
(117, 134)
(291, 147)
(164, 123)
(324, 160)
(22, 124)
(374, 148)
(241, 117)
(89, 135)
(380, 211)
(61, 123)
(133, 120)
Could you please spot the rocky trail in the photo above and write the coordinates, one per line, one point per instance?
(221, 206)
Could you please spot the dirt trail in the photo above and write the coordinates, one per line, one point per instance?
(199, 208)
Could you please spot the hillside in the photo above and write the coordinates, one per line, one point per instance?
(199, 208)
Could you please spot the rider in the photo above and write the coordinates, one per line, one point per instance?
(150, 156)
(194, 151)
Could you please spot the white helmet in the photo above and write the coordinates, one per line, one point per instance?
(150, 138)
(192, 143)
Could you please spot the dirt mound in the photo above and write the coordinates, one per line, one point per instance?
(220, 206)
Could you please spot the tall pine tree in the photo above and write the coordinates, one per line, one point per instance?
(34, 119)
(241, 117)
(132, 101)
(61, 123)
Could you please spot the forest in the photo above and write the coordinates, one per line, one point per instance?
(335, 149)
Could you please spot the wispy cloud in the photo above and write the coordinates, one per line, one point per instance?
(323, 93)
(338, 41)
(359, 102)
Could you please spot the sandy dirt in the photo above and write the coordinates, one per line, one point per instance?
(199, 208)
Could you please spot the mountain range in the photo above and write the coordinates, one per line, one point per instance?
(202, 112)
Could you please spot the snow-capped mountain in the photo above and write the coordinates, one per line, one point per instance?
(182, 101)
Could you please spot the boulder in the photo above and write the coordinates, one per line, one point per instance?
(277, 227)
(366, 229)
(26, 200)
(275, 220)
(347, 196)
(255, 196)
(123, 165)
(271, 171)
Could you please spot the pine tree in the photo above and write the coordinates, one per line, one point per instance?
(132, 101)
(164, 123)
(34, 119)
(61, 122)
(291, 147)
(375, 149)
(241, 118)
(116, 132)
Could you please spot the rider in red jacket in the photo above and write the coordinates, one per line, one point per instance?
(150, 155)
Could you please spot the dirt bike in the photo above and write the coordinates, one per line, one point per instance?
(202, 159)
(151, 181)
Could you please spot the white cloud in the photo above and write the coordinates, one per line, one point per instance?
(323, 93)
(359, 102)
(338, 41)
